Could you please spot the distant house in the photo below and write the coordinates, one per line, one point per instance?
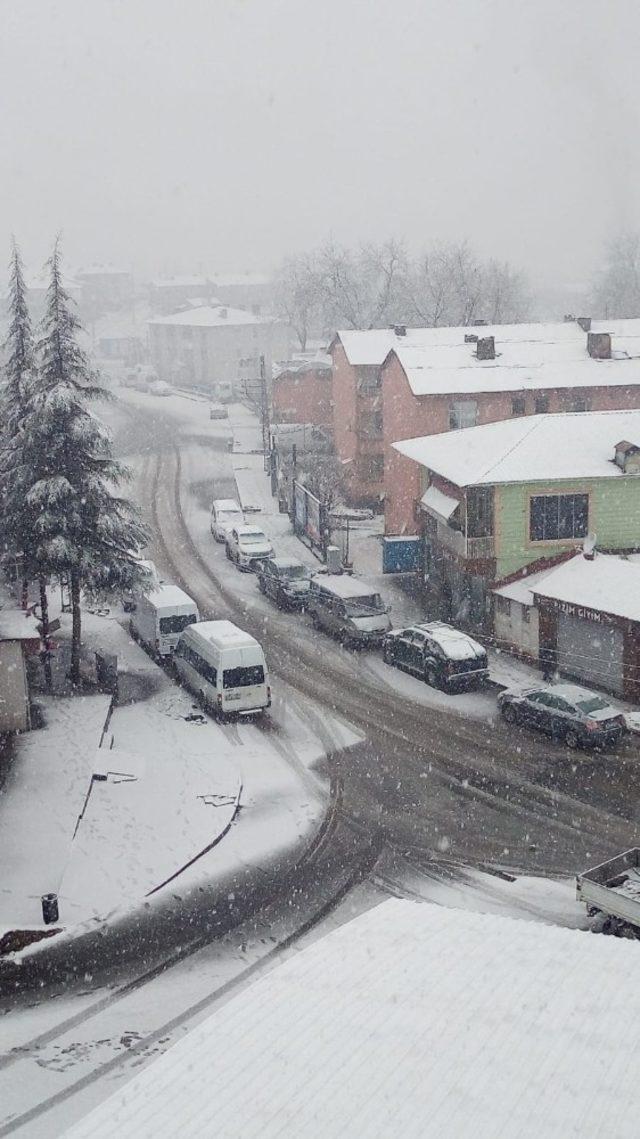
(167, 294)
(19, 638)
(203, 346)
(104, 288)
(389, 384)
(302, 391)
(502, 500)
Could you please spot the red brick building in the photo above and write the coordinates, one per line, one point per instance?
(357, 359)
(302, 393)
(447, 380)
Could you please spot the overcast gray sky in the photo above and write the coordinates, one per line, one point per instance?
(171, 134)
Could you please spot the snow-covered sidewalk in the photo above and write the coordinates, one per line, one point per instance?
(41, 801)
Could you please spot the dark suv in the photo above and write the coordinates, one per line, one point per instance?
(437, 653)
(566, 712)
(286, 581)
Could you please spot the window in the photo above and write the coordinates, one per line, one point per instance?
(176, 623)
(553, 517)
(463, 413)
(541, 404)
(374, 468)
(518, 405)
(243, 677)
(579, 403)
(202, 667)
(369, 379)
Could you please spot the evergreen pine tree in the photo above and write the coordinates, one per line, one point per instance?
(14, 474)
(83, 531)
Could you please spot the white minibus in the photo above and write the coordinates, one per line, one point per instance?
(224, 666)
(160, 616)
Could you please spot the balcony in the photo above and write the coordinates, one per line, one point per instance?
(458, 543)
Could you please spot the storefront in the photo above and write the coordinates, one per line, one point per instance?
(598, 644)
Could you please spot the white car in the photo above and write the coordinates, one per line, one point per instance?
(248, 546)
(225, 514)
(159, 387)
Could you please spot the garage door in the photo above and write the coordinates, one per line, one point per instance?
(591, 652)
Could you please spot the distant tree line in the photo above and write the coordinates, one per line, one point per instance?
(61, 517)
(373, 286)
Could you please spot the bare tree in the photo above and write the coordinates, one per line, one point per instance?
(431, 287)
(617, 286)
(299, 295)
(362, 288)
(505, 299)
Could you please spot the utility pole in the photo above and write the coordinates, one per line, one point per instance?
(266, 426)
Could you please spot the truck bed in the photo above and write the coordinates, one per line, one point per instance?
(613, 887)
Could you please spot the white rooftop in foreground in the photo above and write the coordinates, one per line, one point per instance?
(548, 447)
(411, 1021)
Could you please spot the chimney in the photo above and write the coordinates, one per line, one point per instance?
(627, 457)
(486, 348)
(599, 345)
(400, 329)
(569, 318)
(222, 312)
(584, 322)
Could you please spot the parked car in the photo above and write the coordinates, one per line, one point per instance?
(248, 546)
(437, 653)
(225, 513)
(159, 387)
(349, 608)
(575, 715)
(217, 411)
(286, 580)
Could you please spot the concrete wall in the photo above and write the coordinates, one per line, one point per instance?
(614, 516)
(14, 694)
(516, 625)
(407, 416)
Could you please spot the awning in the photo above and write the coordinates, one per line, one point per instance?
(438, 504)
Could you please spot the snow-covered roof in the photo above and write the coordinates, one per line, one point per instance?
(180, 282)
(437, 361)
(436, 502)
(608, 583)
(410, 1020)
(456, 644)
(241, 279)
(103, 271)
(228, 505)
(521, 590)
(547, 447)
(171, 597)
(345, 586)
(221, 632)
(209, 316)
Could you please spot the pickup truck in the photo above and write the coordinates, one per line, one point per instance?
(611, 893)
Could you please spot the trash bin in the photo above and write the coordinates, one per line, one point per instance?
(49, 908)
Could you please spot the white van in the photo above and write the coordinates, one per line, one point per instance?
(348, 608)
(160, 617)
(224, 666)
